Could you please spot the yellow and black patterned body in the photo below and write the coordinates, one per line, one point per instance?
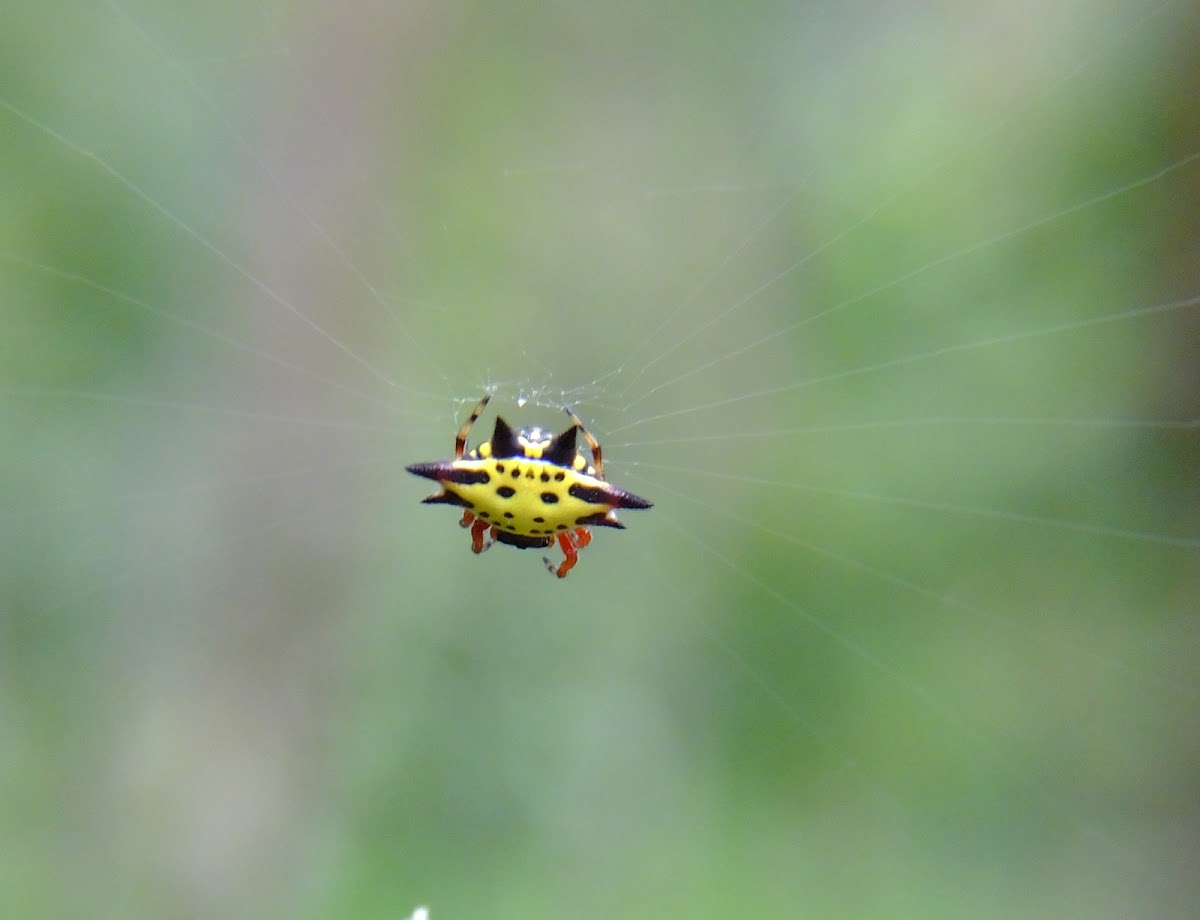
(528, 488)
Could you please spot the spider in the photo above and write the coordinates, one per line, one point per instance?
(528, 488)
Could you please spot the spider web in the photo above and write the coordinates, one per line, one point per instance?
(891, 312)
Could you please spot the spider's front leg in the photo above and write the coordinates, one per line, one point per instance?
(478, 528)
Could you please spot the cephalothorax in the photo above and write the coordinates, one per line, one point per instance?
(528, 488)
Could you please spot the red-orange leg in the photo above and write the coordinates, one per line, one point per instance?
(478, 528)
(571, 543)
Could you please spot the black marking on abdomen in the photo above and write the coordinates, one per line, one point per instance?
(447, 498)
(520, 541)
(600, 519)
(591, 495)
(467, 477)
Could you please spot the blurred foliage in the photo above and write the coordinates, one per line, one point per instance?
(910, 630)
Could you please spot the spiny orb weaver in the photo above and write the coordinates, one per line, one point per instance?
(528, 487)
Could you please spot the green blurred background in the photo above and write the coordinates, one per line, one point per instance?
(854, 293)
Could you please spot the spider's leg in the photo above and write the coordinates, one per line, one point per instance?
(597, 453)
(460, 440)
(570, 543)
(477, 542)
